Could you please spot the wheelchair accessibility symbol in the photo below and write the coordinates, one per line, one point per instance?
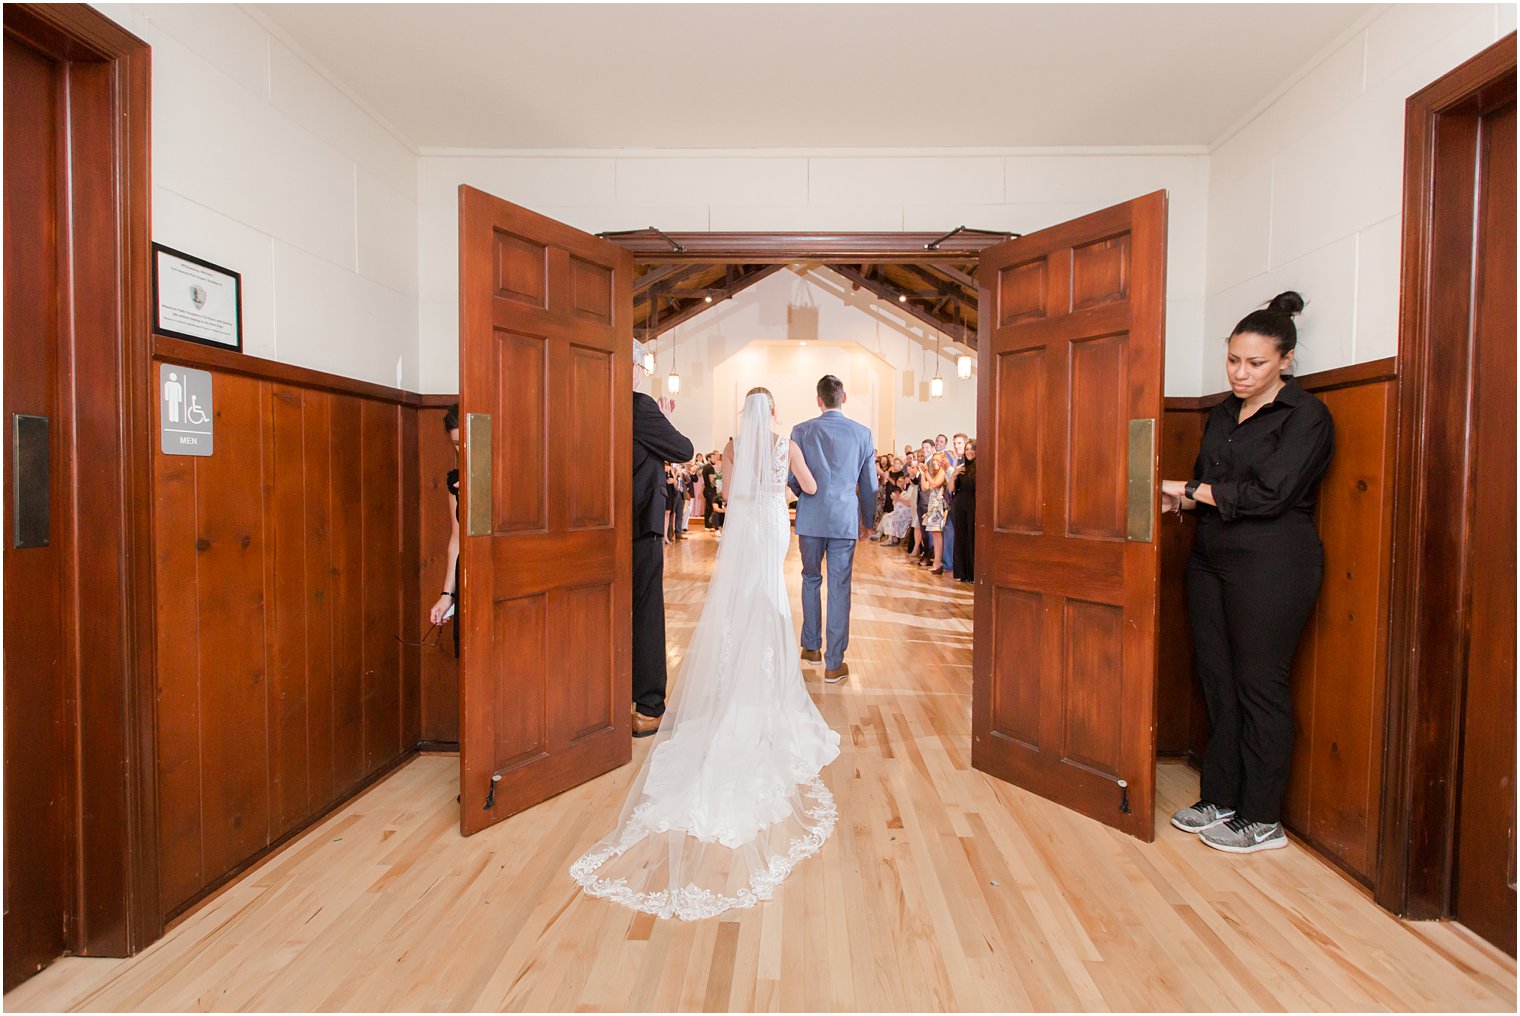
(185, 412)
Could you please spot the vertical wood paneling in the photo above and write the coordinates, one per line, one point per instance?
(439, 670)
(282, 577)
(347, 479)
(1340, 671)
(179, 714)
(285, 563)
(1343, 724)
(380, 582)
(1177, 686)
(317, 508)
(410, 595)
(233, 670)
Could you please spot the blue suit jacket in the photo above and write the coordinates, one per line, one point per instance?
(841, 456)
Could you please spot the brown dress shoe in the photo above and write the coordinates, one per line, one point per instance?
(835, 676)
(643, 725)
(812, 656)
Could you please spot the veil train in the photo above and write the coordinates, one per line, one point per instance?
(729, 799)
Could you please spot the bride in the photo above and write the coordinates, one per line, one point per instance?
(729, 799)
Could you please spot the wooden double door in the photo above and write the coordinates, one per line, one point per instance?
(1071, 348)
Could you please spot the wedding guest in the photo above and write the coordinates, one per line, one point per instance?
(919, 496)
(935, 513)
(882, 465)
(956, 455)
(447, 604)
(698, 506)
(896, 523)
(963, 512)
(709, 489)
(1253, 576)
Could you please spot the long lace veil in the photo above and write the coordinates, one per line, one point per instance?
(728, 799)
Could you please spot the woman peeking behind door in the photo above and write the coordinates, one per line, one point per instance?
(447, 603)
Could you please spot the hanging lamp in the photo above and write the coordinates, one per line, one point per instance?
(673, 383)
(963, 362)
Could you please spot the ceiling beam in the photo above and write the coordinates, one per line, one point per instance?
(651, 248)
(955, 273)
(886, 291)
(740, 284)
(652, 276)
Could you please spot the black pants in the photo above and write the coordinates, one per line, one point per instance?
(965, 544)
(649, 625)
(1251, 587)
(707, 509)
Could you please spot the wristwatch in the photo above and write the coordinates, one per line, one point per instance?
(1191, 490)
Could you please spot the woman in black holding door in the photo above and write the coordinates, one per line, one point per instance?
(1253, 576)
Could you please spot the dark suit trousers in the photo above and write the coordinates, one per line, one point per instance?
(649, 625)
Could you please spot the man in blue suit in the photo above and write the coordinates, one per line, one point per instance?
(842, 458)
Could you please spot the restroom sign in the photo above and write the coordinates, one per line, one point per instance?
(184, 410)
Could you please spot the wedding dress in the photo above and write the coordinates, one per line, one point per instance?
(729, 799)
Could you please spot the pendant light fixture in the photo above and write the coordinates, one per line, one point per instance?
(673, 383)
(963, 362)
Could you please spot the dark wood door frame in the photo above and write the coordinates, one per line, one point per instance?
(111, 415)
(1426, 666)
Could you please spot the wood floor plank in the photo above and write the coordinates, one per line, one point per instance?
(941, 888)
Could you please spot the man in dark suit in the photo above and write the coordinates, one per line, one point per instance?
(655, 442)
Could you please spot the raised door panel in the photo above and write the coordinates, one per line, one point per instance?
(1018, 504)
(1098, 427)
(520, 447)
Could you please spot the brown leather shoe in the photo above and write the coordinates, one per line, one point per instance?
(643, 725)
(812, 656)
(835, 676)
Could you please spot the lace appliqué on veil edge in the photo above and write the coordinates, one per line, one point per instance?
(693, 903)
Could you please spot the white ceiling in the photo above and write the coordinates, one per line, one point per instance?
(811, 75)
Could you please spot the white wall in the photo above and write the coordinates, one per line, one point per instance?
(261, 165)
(1307, 195)
(734, 344)
(791, 372)
(764, 190)
(346, 238)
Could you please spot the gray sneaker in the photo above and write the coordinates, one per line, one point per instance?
(1241, 836)
(1203, 815)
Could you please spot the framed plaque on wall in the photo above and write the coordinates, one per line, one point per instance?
(196, 300)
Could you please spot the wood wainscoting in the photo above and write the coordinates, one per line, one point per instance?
(285, 585)
(440, 669)
(1340, 675)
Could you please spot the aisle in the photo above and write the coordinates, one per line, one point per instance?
(942, 889)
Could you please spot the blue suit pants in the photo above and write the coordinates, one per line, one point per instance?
(841, 561)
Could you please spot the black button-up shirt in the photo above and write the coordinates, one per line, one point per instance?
(1271, 464)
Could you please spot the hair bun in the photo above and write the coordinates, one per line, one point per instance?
(1289, 303)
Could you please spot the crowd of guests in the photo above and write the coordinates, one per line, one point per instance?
(926, 504)
(694, 489)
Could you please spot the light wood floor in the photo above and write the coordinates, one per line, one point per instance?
(942, 889)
